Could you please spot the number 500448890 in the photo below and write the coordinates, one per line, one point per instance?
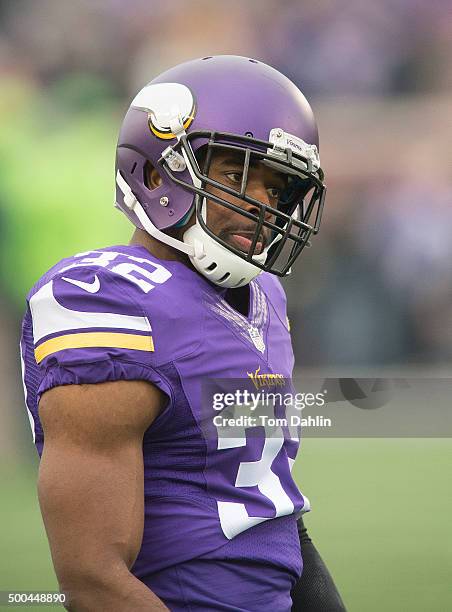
(33, 597)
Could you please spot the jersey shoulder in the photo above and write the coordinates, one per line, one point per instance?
(104, 304)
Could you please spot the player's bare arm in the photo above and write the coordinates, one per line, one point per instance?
(91, 490)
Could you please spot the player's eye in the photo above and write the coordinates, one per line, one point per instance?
(234, 177)
(274, 192)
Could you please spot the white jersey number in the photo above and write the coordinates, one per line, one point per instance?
(145, 276)
(233, 516)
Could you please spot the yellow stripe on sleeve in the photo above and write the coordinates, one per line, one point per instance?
(92, 340)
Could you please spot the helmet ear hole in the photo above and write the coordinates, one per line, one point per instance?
(152, 178)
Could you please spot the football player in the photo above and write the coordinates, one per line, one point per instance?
(146, 507)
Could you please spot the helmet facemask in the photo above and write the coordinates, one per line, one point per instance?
(276, 234)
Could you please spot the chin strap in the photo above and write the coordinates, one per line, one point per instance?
(133, 205)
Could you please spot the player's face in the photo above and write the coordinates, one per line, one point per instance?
(264, 184)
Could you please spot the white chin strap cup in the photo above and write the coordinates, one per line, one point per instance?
(217, 263)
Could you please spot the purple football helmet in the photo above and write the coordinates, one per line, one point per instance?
(179, 121)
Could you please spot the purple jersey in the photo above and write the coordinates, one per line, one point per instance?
(121, 314)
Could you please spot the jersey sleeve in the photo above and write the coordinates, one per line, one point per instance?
(89, 327)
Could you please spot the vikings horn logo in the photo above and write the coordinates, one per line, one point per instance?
(163, 102)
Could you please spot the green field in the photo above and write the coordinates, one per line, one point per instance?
(381, 519)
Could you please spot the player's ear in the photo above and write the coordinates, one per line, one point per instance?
(152, 177)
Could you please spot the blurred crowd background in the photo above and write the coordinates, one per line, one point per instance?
(377, 287)
(374, 291)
